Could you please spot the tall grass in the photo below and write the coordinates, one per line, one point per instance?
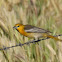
(45, 14)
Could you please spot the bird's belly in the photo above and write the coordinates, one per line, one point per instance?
(34, 35)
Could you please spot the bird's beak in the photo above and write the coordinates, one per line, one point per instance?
(15, 27)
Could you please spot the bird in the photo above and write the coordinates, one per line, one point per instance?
(34, 32)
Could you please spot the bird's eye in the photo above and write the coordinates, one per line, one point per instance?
(17, 26)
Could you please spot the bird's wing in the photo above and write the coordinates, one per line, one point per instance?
(33, 29)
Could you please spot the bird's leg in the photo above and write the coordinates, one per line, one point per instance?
(36, 39)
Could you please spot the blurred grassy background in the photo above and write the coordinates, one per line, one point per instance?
(46, 14)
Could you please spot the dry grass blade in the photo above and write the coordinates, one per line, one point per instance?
(51, 49)
(3, 27)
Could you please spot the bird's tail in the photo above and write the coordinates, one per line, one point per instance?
(53, 37)
(56, 38)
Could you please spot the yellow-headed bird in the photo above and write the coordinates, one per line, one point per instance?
(33, 32)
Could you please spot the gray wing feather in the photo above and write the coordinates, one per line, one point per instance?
(33, 29)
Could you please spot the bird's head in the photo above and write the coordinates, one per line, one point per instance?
(18, 27)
